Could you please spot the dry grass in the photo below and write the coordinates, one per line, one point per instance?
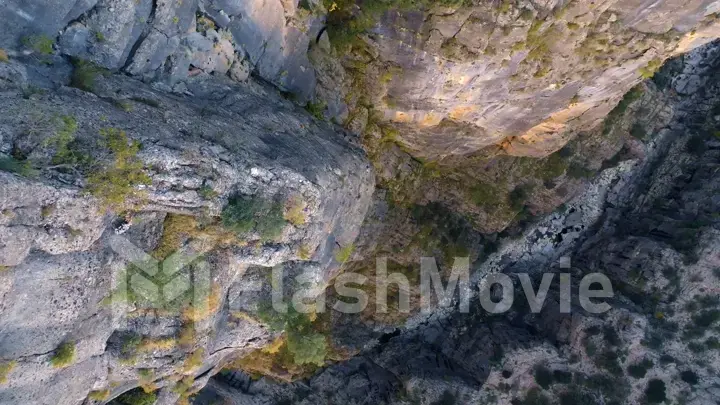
(274, 361)
(179, 229)
(187, 335)
(5, 369)
(193, 361)
(99, 395)
(295, 211)
(4, 56)
(200, 311)
(146, 380)
(156, 344)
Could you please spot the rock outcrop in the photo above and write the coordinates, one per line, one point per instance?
(97, 179)
(648, 222)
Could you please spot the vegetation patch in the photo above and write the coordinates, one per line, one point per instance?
(99, 395)
(618, 112)
(116, 184)
(295, 211)
(4, 56)
(343, 254)
(12, 165)
(137, 397)
(5, 368)
(245, 214)
(639, 370)
(64, 355)
(41, 43)
(543, 377)
(85, 74)
(655, 391)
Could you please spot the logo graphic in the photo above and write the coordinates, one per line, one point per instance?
(182, 277)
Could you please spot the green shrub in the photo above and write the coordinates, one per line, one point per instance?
(316, 109)
(248, 214)
(343, 254)
(519, 196)
(638, 131)
(577, 171)
(562, 377)
(115, 184)
(304, 342)
(12, 165)
(63, 355)
(640, 370)
(608, 360)
(4, 56)
(447, 398)
(712, 343)
(554, 166)
(66, 152)
(99, 395)
(5, 368)
(696, 145)
(485, 195)
(85, 75)
(41, 44)
(533, 397)
(689, 377)
(649, 70)
(619, 111)
(706, 318)
(655, 391)
(137, 397)
(543, 377)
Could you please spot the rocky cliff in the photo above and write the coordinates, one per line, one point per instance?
(156, 161)
(648, 221)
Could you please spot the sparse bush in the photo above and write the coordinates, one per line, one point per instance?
(207, 192)
(706, 318)
(193, 361)
(41, 43)
(12, 165)
(116, 183)
(343, 254)
(619, 111)
(533, 397)
(5, 368)
(638, 131)
(519, 196)
(689, 377)
(248, 214)
(63, 355)
(137, 397)
(485, 195)
(316, 109)
(649, 70)
(696, 145)
(640, 370)
(562, 377)
(66, 152)
(655, 391)
(577, 171)
(543, 377)
(305, 344)
(295, 211)
(4, 56)
(608, 361)
(447, 398)
(85, 74)
(99, 395)
(554, 166)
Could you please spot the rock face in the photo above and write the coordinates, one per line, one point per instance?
(524, 75)
(648, 223)
(64, 256)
